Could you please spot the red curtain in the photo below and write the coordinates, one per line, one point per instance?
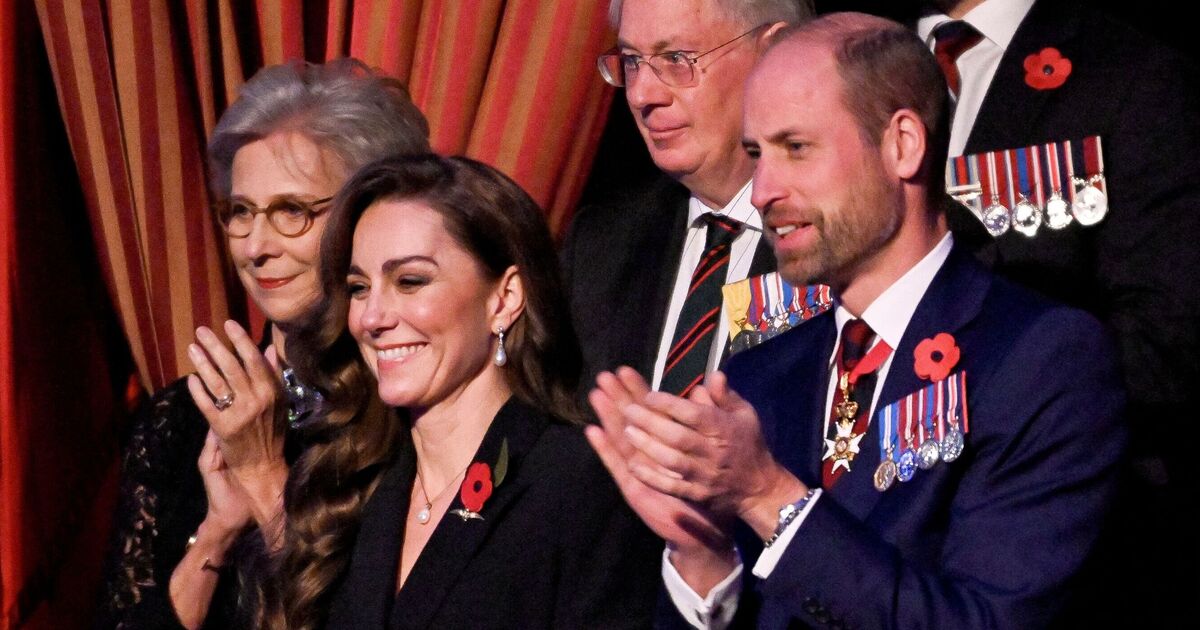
(10, 464)
(65, 362)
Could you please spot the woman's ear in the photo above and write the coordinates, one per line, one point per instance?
(509, 299)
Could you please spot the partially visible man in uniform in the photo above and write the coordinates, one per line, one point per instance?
(1045, 73)
(935, 453)
(644, 270)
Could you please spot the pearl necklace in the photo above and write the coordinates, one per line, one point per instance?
(425, 513)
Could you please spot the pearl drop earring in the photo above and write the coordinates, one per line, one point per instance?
(501, 357)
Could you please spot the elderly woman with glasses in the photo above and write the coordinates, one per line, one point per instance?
(277, 157)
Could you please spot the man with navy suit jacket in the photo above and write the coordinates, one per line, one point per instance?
(814, 443)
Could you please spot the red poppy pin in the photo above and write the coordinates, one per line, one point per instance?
(1047, 69)
(478, 485)
(936, 356)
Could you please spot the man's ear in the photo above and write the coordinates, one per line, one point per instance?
(767, 36)
(904, 144)
(508, 300)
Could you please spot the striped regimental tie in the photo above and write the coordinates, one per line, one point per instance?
(698, 320)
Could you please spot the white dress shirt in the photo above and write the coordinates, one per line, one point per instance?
(997, 21)
(888, 316)
(741, 255)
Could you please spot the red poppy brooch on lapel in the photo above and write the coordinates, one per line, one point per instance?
(936, 356)
(1047, 69)
(479, 483)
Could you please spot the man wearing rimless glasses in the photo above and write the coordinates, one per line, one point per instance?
(644, 268)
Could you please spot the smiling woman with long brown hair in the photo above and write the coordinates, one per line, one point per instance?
(449, 483)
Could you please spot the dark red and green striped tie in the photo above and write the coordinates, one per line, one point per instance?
(700, 316)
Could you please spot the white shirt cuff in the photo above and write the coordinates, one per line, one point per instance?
(714, 612)
(771, 555)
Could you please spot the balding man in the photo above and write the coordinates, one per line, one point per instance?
(644, 270)
(919, 457)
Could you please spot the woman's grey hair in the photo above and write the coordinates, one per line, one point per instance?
(746, 13)
(342, 106)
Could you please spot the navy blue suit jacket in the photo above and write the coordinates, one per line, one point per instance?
(990, 540)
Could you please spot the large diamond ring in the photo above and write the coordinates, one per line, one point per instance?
(224, 402)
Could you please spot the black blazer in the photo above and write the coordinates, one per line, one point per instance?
(1139, 269)
(557, 546)
(619, 262)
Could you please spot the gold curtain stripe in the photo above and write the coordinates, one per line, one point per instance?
(129, 109)
(202, 56)
(336, 26)
(231, 55)
(270, 24)
(558, 125)
(510, 146)
(172, 187)
(142, 348)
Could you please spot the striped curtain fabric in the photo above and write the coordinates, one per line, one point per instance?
(142, 82)
(11, 572)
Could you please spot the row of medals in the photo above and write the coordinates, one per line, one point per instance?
(924, 457)
(1089, 208)
(749, 337)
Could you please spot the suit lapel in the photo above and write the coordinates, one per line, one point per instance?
(456, 542)
(764, 258)
(953, 299)
(1009, 98)
(795, 425)
(666, 230)
(364, 595)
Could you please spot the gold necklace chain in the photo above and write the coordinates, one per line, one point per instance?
(424, 515)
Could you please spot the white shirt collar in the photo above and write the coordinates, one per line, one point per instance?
(889, 314)
(997, 20)
(739, 209)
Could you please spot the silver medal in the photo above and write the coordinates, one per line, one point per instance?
(996, 219)
(1026, 218)
(1091, 205)
(952, 445)
(885, 475)
(928, 454)
(907, 466)
(1058, 212)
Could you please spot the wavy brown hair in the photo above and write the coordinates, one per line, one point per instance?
(494, 220)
